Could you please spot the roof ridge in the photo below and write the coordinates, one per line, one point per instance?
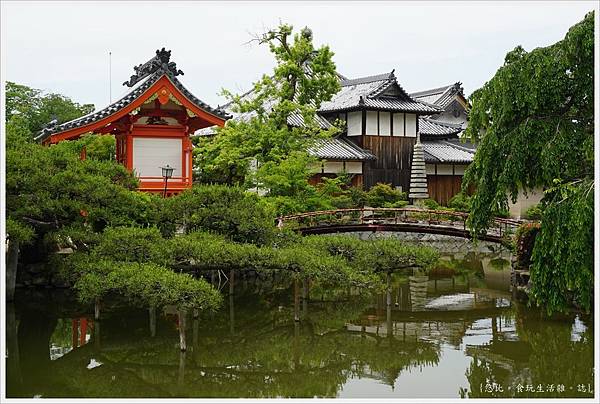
(431, 91)
(463, 148)
(442, 123)
(366, 79)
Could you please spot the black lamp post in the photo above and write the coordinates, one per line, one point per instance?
(167, 172)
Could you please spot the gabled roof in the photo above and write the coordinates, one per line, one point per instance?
(377, 92)
(445, 151)
(146, 75)
(434, 128)
(440, 96)
(338, 148)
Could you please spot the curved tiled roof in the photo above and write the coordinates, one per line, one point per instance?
(370, 92)
(139, 86)
(338, 148)
(441, 96)
(443, 151)
(431, 127)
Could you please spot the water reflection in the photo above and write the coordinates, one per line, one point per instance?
(456, 332)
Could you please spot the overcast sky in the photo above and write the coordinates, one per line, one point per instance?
(63, 46)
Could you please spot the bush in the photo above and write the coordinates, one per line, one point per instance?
(230, 211)
(380, 194)
(149, 285)
(397, 204)
(430, 204)
(525, 240)
(358, 196)
(342, 202)
(131, 244)
(460, 202)
(534, 212)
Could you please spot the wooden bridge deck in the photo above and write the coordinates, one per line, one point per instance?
(412, 220)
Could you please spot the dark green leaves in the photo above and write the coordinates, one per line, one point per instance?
(535, 123)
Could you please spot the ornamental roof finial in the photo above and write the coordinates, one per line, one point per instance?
(161, 61)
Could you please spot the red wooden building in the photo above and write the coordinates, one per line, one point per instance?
(152, 125)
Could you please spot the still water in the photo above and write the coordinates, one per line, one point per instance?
(457, 332)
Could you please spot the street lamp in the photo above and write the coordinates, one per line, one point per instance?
(167, 172)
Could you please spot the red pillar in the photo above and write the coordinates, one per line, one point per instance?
(82, 331)
(129, 152)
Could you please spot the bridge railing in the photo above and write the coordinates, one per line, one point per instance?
(416, 216)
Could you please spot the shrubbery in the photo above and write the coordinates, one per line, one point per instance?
(381, 194)
(534, 212)
(241, 216)
(460, 202)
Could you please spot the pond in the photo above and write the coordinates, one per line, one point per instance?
(458, 332)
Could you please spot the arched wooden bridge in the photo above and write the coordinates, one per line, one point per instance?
(413, 220)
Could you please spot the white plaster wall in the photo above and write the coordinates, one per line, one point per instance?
(384, 123)
(411, 125)
(371, 123)
(354, 123)
(333, 167)
(398, 124)
(354, 167)
(524, 202)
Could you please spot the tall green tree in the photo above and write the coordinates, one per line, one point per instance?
(302, 79)
(38, 108)
(535, 123)
(50, 190)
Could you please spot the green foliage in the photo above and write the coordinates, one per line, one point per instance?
(342, 202)
(288, 177)
(130, 244)
(380, 255)
(535, 123)
(534, 119)
(460, 202)
(358, 196)
(389, 255)
(48, 188)
(302, 79)
(563, 255)
(97, 147)
(15, 230)
(524, 242)
(241, 216)
(149, 285)
(430, 204)
(38, 109)
(534, 212)
(380, 194)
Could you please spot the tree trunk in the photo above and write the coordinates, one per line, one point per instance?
(97, 310)
(195, 325)
(12, 260)
(182, 324)
(305, 291)
(181, 372)
(296, 301)
(388, 298)
(152, 315)
(388, 292)
(13, 364)
(97, 344)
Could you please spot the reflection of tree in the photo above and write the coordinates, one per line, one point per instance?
(539, 357)
(268, 356)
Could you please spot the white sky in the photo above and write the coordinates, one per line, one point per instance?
(63, 46)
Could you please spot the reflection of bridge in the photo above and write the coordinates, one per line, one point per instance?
(411, 220)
